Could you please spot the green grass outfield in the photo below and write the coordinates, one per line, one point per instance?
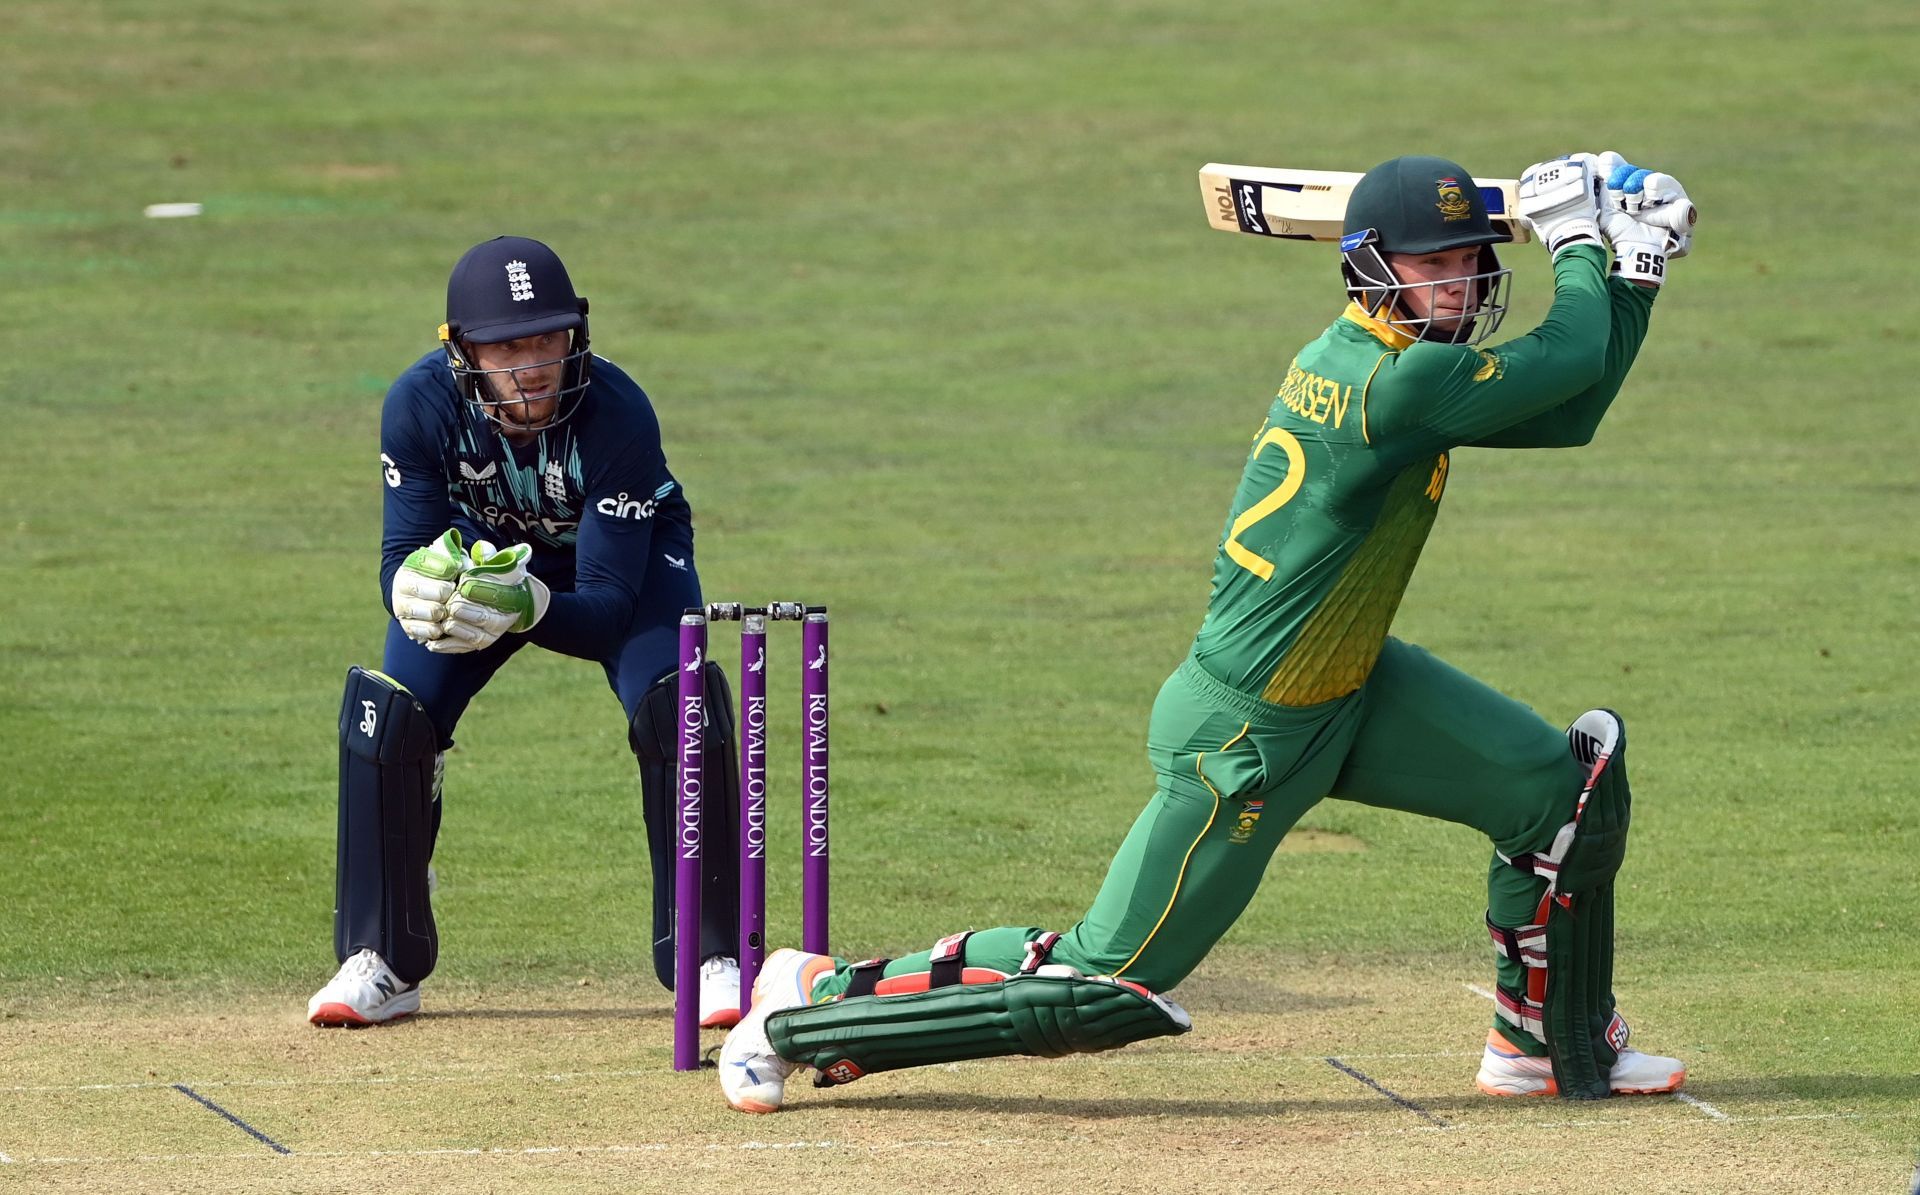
(938, 335)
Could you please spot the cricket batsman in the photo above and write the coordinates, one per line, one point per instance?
(527, 501)
(1294, 690)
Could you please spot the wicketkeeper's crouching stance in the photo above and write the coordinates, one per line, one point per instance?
(1293, 690)
(513, 430)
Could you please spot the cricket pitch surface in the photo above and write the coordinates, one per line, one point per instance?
(1325, 1080)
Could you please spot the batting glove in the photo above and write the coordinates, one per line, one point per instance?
(1654, 199)
(1639, 250)
(1561, 200)
(1647, 217)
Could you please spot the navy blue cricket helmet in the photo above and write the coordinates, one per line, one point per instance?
(504, 289)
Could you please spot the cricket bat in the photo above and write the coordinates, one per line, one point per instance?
(1310, 205)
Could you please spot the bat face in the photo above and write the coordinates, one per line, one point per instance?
(1311, 205)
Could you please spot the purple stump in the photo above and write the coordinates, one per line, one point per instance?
(691, 722)
(753, 801)
(813, 780)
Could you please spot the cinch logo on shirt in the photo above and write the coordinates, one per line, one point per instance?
(1311, 396)
(624, 507)
(555, 531)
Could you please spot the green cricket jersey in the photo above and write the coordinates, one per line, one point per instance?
(1347, 473)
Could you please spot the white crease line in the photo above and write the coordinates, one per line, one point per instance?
(5, 1160)
(1598, 1122)
(254, 1155)
(268, 1083)
(1137, 1059)
(105, 1160)
(1701, 1104)
(1682, 1096)
(1143, 1058)
(365, 1081)
(662, 1147)
(537, 1150)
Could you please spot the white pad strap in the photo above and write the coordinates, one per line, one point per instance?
(1525, 944)
(948, 961)
(1520, 1012)
(1037, 952)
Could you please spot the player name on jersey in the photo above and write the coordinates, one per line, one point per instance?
(1311, 396)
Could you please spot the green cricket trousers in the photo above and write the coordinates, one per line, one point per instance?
(1235, 774)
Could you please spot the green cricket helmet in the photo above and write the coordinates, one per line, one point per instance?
(1419, 204)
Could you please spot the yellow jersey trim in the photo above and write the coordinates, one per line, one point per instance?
(1382, 331)
(1365, 389)
(1180, 879)
(1386, 334)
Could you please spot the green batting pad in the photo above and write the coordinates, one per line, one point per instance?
(1041, 1015)
(1579, 1008)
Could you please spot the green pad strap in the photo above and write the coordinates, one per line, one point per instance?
(1042, 1015)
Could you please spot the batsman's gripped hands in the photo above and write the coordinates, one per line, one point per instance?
(1653, 198)
(1646, 216)
(495, 594)
(1649, 196)
(1639, 248)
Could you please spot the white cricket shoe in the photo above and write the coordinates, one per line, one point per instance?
(364, 992)
(752, 1076)
(1506, 1070)
(719, 993)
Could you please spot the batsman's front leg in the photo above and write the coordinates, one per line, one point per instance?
(1184, 872)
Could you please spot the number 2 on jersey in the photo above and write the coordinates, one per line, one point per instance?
(1281, 494)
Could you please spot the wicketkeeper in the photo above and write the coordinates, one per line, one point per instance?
(528, 501)
(1293, 690)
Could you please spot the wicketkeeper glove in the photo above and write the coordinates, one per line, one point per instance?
(424, 582)
(496, 594)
